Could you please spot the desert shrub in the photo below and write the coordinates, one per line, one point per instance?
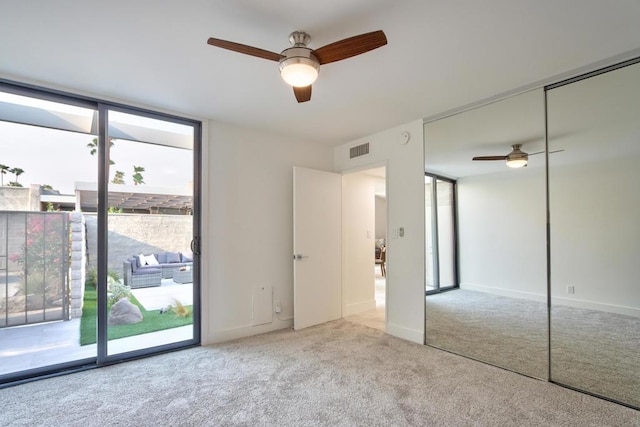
(91, 279)
(117, 291)
(179, 309)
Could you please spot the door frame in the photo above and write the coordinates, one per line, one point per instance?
(435, 234)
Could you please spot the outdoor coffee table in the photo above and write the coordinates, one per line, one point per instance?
(183, 276)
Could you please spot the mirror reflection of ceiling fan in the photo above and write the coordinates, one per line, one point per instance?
(299, 65)
(516, 158)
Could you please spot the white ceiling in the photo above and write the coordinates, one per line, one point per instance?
(441, 55)
(592, 120)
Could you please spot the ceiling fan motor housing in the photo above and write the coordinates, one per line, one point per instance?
(299, 38)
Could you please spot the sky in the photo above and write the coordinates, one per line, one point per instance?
(60, 158)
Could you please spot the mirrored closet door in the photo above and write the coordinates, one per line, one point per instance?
(595, 233)
(498, 314)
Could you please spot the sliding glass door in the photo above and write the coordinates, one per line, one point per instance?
(440, 214)
(99, 220)
(43, 245)
(150, 286)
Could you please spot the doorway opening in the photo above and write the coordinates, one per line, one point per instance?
(364, 219)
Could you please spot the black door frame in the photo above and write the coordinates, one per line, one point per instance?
(435, 236)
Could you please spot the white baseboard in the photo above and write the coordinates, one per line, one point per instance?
(589, 305)
(222, 335)
(412, 335)
(564, 301)
(359, 307)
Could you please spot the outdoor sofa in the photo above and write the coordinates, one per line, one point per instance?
(140, 275)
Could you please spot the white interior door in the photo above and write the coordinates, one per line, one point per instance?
(317, 244)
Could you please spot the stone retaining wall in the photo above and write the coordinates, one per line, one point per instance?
(78, 263)
(133, 234)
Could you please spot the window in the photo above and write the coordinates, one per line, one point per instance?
(86, 187)
(441, 234)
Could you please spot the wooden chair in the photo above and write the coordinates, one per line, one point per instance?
(382, 259)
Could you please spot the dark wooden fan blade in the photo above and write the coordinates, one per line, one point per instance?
(243, 48)
(352, 46)
(303, 94)
(490, 158)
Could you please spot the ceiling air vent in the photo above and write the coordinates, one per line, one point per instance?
(359, 150)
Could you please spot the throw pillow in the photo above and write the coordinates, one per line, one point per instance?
(151, 260)
(186, 257)
(143, 260)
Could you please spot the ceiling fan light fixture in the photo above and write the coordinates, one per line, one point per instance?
(517, 158)
(299, 67)
(516, 163)
(298, 73)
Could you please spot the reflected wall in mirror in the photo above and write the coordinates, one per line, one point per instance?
(498, 314)
(595, 234)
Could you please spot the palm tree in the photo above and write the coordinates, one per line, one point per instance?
(118, 178)
(3, 172)
(17, 172)
(93, 145)
(137, 176)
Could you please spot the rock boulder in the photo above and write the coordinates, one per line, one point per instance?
(124, 313)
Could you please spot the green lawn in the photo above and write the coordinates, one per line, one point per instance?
(152, 320)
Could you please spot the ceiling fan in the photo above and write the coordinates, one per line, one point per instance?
(299, 64)
(516, 158)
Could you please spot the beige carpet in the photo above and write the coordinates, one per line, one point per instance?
(336, 374)
(503, 331)
(591, 350)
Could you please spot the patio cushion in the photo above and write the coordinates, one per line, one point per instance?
(162, 257)
(186, 258)
(134, 264)
(173, 257)
(148, 270)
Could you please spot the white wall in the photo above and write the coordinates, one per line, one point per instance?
(248, 225)
(595, 235)
(502, 239)
(405, 199)
(358, 249)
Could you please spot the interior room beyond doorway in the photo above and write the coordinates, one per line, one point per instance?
(364, 247)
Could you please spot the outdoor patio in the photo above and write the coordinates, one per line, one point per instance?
(32, 346)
